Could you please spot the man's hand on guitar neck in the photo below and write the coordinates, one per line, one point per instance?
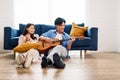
(80, 38)
(70, 43)
(72, 39)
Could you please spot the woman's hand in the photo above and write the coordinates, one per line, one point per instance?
(27, 37)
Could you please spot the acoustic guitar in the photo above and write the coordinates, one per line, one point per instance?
(45, 46)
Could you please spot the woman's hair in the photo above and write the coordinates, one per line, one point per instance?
(59, 21)
(26, 31)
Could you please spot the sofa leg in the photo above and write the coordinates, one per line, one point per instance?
(85, 52)
(80, 53)
(14, 54)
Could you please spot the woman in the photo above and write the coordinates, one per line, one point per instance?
(32, 55)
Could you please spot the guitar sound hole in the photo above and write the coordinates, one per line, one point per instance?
(42, 44)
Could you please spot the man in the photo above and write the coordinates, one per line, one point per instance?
(56, 54)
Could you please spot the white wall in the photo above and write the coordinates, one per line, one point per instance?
(100, 13)
(5, 18)
(119, 27)
(104, 15)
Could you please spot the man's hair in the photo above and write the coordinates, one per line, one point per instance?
(59, 21)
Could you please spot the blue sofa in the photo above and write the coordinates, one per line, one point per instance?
(90, 42)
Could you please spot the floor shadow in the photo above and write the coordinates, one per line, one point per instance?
(23, 71)
(58, 72)
(7, 56)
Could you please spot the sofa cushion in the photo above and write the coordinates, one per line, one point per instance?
(82, 43)
(69, 26)
(14, 41)
(77, 31)
(37, 28)
(46, 28)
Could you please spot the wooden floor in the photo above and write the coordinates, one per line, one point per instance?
(95, 66)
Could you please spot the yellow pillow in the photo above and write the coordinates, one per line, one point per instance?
(77, 31)
(25, 47)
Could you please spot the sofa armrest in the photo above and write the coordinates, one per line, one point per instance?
(9, 33)
(93, 34)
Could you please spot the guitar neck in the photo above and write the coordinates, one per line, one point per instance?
(67, 39)
(62, 40)
(70, 38)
